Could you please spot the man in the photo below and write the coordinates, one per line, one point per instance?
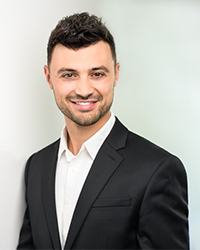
(100, 186)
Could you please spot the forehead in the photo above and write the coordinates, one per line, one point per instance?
(94, 55)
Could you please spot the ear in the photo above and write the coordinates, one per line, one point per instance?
(117, 69)
(47, 75)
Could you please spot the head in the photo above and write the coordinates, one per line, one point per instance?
(82, 69)
(79, 31)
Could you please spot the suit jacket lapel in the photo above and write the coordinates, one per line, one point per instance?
(48, 193)
(104, 166)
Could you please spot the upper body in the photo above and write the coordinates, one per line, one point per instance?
(134, 195)
(71, 173)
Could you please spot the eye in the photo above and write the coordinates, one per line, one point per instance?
(98, 74)
(69, 75)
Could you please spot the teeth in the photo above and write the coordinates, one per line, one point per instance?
(83, 103)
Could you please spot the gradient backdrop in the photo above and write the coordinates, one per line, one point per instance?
(158, 45)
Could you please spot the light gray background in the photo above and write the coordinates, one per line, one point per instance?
(158, 45)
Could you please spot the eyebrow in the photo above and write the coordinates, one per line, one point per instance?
(101, 68)
(62, 70)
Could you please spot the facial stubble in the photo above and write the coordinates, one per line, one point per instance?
(84, 118)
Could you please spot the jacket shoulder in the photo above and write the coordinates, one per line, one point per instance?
(137, 149)
(53, 146)
(124, 138)
(43, 157)
(140, 143)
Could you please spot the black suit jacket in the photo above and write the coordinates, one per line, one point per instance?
(134, 197)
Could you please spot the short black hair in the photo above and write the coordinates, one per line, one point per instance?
(80, 30)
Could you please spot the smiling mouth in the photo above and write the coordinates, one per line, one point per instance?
(83, 103)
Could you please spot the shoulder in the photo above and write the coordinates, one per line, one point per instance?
(43, 157)
(147, 163)
(53, 147)
(149, 152)
(152, 156)
(142, 152)
(144, 146)
(134, 142)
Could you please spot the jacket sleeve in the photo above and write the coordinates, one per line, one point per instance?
(163, 218)
(25, 237)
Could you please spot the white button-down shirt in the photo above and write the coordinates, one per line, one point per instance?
(71, 174)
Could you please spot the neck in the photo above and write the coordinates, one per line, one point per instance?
(77, 134)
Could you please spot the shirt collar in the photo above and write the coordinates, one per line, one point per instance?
(63, 142)
(93, 144)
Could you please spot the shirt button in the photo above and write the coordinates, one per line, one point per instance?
(67, 202)
(65, 235)
(73, 170)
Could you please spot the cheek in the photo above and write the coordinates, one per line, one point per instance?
(107, 94)
(110, 89)
(62, 90)
(106, 89)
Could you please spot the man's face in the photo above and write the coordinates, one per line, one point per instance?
(83, 82)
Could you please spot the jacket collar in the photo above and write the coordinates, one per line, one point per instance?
(104, 165)
(48, 192)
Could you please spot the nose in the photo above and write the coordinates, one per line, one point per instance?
(84, 88)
